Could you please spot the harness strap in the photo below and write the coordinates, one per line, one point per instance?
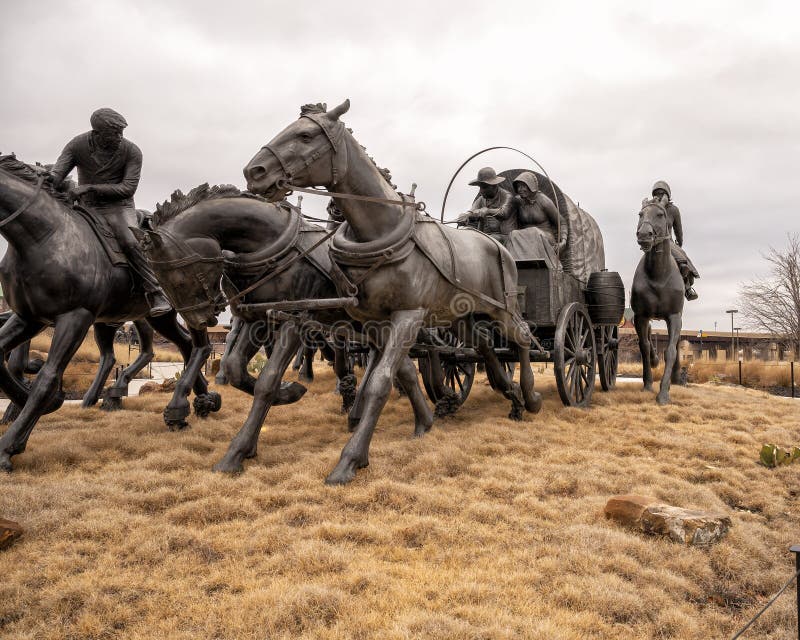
(27, 204)
(281, 268)
(419, 206)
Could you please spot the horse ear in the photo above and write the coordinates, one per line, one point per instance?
(336, 112)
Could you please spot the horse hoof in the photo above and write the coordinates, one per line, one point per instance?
(111, 404)
(177, 425)
(662, 398)
(228, 466)
(5, 463)
(289, 393)
(207, 403)
(534, 404)
(345, 471)
(515, 413)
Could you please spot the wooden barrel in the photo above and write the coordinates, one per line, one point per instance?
(605, 297)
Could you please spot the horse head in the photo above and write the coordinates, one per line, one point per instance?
(310, 152)
(652, 227)
(189, 271)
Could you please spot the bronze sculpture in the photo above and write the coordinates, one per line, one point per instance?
(658, 292)
(267, 254)
(405, 270)
(109, 167)
(58, 271)
(663, 194)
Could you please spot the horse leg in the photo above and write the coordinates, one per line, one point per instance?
(670, 356)
(195, 350)
(407, 377)
(307, 367)
(346, 377)
(298, 359)
(354, 417)
(520, 334)
(497, 373)
(247, 344)
(245, 442)
(642, 326)
(18, 363)
(654, 359)
(404, 328)
(104, 339)
(112, 399)
(13, 333)
(70, 330)
(233, 336)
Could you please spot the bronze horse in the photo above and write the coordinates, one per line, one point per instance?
(385, 247)
(219, 235)
(657, 293)
(56, 272)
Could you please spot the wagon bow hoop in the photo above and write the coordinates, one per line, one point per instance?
(482, 151)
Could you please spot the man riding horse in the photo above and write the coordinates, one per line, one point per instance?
(663, 194)
(109, 167)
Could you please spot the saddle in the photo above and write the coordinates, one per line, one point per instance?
(104, 235)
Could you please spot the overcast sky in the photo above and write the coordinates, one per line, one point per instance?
(608, 96)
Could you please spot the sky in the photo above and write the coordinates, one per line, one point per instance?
(607, 96)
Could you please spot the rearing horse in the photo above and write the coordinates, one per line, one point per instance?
(657, 292)
(410, 271)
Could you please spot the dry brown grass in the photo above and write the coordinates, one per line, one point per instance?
(755, 373)
(88, 351)
(485, 528)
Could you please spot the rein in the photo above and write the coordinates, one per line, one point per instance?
(27, 204)
(285, 184)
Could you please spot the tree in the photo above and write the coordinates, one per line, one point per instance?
(772, 303)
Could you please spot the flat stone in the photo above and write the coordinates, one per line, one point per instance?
(9, 532)
(687, 526)
(652, 516)
(628, 509)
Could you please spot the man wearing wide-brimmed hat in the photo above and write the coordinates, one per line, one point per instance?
(109, 167)
(493, 210)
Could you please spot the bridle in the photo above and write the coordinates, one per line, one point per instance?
(658, 238)
(339, 164)
(25, 205)
(215, 300)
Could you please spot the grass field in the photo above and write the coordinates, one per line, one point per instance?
(483, 529)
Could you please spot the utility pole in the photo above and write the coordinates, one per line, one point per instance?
(738, 343)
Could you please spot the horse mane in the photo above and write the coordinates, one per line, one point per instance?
(322, 107)
(31, 173)
(180, 202)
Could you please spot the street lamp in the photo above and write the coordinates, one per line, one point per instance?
(733, 343)
(738, 342)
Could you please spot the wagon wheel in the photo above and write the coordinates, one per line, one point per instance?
(574, 356)
(457, 376)
(608, 355)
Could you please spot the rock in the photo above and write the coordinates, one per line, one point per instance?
(168, 386)
(9, 532)
(699, 528)
(687, 526)
(628, 509)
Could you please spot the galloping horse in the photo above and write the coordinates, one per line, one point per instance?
(410, 271)
(657, 292)
(217, 234)
(56, 272)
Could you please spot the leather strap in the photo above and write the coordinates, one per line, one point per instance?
(27, 204)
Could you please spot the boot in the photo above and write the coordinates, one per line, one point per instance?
(691, 294)
(159, 305)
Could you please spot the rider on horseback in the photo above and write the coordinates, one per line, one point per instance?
(108, 174)
(662, 193)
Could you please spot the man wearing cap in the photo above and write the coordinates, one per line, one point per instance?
(663, 194)
(109, 167)
(493, 210)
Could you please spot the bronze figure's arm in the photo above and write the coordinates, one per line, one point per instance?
(677, 226)
(64, 164)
